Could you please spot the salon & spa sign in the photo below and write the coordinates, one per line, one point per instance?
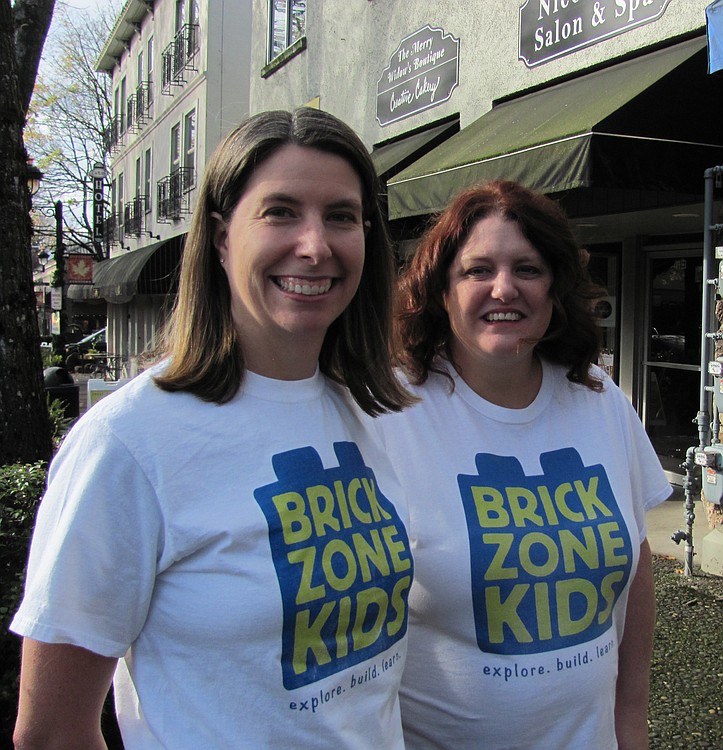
(553, 28)
(422, 72)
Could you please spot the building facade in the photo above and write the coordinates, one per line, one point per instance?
(180, 73)
(606, 106)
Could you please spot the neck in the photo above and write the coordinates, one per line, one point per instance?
(292, 361)
(513, 385)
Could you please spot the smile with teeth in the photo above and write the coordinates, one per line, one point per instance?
(308, 287)
(499, 316)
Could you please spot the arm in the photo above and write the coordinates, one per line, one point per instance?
(633, 685)
(62, 690)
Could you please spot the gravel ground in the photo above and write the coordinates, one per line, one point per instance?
(686, 696)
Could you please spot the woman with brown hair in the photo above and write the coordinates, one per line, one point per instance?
(528, 475)
(223, 536)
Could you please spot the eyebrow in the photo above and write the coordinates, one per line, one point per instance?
(352, 203)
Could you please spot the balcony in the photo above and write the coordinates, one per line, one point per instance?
(111, 230)
(131, 114)
(138, 107)
(134, 216)
(173, 192)
(179, 58)
(113, 135)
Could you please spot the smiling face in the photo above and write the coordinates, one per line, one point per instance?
(293, 252)
(498, 297)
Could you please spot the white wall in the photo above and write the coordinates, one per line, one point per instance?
(349, 43)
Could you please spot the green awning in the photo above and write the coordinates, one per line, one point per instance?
(394, 156)
(149, 270)
(631, 125)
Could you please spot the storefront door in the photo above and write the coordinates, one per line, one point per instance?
(671, 359)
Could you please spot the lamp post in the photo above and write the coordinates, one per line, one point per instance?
(34, 176)
(58, 280)
(43, 322)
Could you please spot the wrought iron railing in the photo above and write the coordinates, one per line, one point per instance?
(179, 58)
(134, 215)
(110, 230)
(173, 195)
(113, 134)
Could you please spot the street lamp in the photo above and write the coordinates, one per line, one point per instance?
(33, 176)
(43, 257)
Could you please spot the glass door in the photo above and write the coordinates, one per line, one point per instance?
(671, 365)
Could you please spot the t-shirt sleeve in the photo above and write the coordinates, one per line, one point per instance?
(94, 552)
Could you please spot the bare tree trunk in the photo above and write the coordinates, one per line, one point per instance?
(24, 424)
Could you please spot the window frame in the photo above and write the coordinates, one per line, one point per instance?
(148, 175)
(291, 43)
(188, 151)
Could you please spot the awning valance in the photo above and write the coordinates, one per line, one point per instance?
(632, 125)
(149, 270)
(394, 156)
(82, 292)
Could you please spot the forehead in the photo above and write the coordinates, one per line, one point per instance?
(304, 171)
(495, 236)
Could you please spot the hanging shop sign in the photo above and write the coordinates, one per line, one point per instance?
(553, 28)
(423, 72)
(79, 269)
(56, 298)
(98, 176)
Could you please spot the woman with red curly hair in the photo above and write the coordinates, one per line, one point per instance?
(529, 476)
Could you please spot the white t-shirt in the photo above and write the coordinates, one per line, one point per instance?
(248, 563)
(526, 527)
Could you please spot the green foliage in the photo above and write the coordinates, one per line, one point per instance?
(51, 360)
(59, 423)
(21, 487)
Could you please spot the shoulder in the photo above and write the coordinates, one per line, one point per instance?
(610, 398)
(436, 383)
(139, 414)
(132, 399)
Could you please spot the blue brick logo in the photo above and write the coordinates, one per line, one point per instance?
(550, 554)
(342, 559)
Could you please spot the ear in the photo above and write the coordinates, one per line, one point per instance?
(220, 235)
(367, 227)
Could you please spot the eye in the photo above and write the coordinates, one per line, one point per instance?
(529, 270)
(343, 217)
(278, 212)
(477, 272)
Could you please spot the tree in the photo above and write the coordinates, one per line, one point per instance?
(69, 116)
(24, 422)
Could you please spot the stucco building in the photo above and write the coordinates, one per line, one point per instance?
(606, 105)
(180, 73)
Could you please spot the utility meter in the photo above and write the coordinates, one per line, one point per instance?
(715, 368)
(711, 462)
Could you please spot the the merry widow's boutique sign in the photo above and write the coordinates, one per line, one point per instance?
(423, 72)
(552, 28)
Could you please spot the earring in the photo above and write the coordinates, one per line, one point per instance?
(222, 261)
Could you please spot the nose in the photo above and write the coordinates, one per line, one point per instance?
(313, 242)
(504, 287)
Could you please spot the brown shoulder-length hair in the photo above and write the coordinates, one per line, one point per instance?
(200, 340)
(422, 329)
